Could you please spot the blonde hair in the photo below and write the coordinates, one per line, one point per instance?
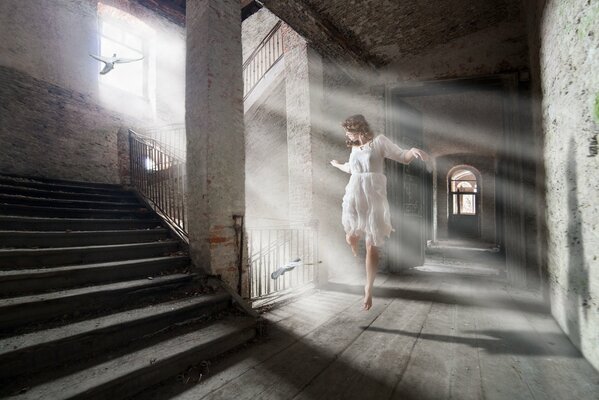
(357, 124)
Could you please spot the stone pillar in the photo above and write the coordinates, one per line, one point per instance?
(303, 92)
(215, 139)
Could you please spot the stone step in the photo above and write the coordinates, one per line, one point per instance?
(85, 204)
(36, 351)
(27, 239)
(34, 309)
(65, 212)
(20, 282)
(21, 223)
(128, 374)
(127, 196)
(19, 178)
(62, 256)
(63, 186)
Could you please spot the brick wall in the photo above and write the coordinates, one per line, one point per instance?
(48, 131)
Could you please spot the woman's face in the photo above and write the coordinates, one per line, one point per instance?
(353, 136)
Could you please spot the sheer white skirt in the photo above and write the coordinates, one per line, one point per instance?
(366, 209)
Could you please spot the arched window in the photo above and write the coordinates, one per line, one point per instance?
(464, 192)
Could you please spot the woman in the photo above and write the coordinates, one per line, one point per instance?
(365, 206)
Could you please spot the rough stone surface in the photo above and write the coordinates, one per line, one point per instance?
(215, 137)
(570, 83)
(491, 50)
(389, 30)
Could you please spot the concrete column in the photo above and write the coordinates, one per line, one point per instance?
(304, 89)
(215, 141)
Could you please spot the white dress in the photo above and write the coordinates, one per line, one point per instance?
(365, 205)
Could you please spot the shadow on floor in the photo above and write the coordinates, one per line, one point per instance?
(503, 342)
(503, 302)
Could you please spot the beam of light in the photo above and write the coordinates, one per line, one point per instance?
(153, 89)
(474, 126)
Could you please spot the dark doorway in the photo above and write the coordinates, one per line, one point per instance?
(406, 189)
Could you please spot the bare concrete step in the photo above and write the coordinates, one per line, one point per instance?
(54, 181)
(62, 256)
(66, 187)
(15, 222)
(27, 239)
(129, 374)
(20, 282)
(25, 310)
(65, 212)
(33, 352)
(64, 203)
(126, 196)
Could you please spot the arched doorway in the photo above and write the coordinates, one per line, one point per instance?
(464, 198)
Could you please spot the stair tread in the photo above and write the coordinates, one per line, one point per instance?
(27, 251)
(62, 201)
(66, 332)
(147, 358)
(65, 294)
(32, 191)
(61, 185)
(142, 209)
(19, 178)
(37, 218)
(84, 233)
(4, 274)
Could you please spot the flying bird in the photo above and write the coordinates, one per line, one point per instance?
(110, 61)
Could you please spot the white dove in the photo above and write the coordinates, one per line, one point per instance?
(110, 61)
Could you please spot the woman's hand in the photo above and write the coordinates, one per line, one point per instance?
(419, 154)
(335, 163)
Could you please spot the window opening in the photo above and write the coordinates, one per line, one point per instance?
(464, 192)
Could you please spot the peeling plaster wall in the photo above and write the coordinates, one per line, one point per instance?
(568, 63)
(61, 121)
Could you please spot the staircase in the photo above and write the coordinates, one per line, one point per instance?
(97, 300)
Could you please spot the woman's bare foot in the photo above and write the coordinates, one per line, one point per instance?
(367, 304)
(353, 243)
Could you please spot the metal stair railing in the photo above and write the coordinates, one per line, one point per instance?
(262, 59)
(161, 179)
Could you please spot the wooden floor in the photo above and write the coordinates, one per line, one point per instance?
(428, 336)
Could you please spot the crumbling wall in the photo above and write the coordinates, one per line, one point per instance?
(564, 40)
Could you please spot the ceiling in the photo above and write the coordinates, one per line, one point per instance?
(375, 32)
(388, 29)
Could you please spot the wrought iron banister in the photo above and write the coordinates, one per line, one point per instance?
(262, 59)
(161, 179)
(281, 259)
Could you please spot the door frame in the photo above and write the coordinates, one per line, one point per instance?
(507, 205)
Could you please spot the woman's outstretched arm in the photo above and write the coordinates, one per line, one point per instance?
(396, 153)
(342, 167)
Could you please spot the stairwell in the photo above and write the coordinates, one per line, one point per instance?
(97, 298)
